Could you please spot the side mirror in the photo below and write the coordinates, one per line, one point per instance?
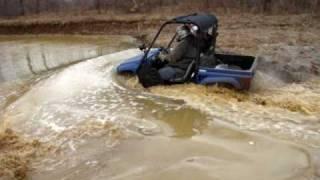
(143, 47)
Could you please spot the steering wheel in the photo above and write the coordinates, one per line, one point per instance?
(164, 50)
(157, 62)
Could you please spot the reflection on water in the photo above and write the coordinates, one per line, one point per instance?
(22, 56)
(107, 130)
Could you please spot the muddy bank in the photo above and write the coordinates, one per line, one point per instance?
(129, 25)
(238, 32)
(287, 64)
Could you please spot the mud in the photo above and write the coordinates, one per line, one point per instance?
(16, 154)
(129, 26)
(233, 32)
(290, 64)
(19, 155)
(247, 33)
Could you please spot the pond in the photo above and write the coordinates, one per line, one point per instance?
(63, 90)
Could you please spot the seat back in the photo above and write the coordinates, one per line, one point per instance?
(187, 76)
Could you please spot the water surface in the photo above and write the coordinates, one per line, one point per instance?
(106, 128)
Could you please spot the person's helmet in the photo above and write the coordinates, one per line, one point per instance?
(182, 32)
(194, 30)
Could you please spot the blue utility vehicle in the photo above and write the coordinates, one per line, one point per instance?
(235, 70)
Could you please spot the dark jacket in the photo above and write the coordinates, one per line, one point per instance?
(183, 54)
(206, 43)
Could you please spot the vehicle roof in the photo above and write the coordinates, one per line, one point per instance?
(203, 20)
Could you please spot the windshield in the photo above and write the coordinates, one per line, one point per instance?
(167, 37)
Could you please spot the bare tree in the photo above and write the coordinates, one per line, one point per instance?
(22, 8)
(135, 6)
(3, 8)
(207, 3)
(25, 7)
(317, 6)
(98, 6)
(266, 5)
(37, 7)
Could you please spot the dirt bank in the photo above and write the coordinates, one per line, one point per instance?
(98, 24)
(238, 32)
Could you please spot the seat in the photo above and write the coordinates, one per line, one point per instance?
(187, 76)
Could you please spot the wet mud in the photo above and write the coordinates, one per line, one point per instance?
(289, 64)
(16, 154)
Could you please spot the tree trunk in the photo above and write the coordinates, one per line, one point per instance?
(37, 6)
(22, 11)
(135, 6)
(316, 6)
(207, 4)
(4, 8)
(266, 7)
(98, 6)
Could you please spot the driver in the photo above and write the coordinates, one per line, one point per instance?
(181, 56)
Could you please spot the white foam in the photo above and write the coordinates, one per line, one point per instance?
(53, 103)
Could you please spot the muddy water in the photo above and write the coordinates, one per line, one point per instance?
(22, 56)
(106, 127)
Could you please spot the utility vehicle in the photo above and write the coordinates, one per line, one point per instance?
(234, 70)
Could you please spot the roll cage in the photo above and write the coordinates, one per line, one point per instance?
(203, 21)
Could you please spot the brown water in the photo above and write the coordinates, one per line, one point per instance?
(107, 127)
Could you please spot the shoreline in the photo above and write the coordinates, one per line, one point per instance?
(138, 23)
(242, 33)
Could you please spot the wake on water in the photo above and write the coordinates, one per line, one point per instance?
(283, 100)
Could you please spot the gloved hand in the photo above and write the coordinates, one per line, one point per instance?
(163, 55)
